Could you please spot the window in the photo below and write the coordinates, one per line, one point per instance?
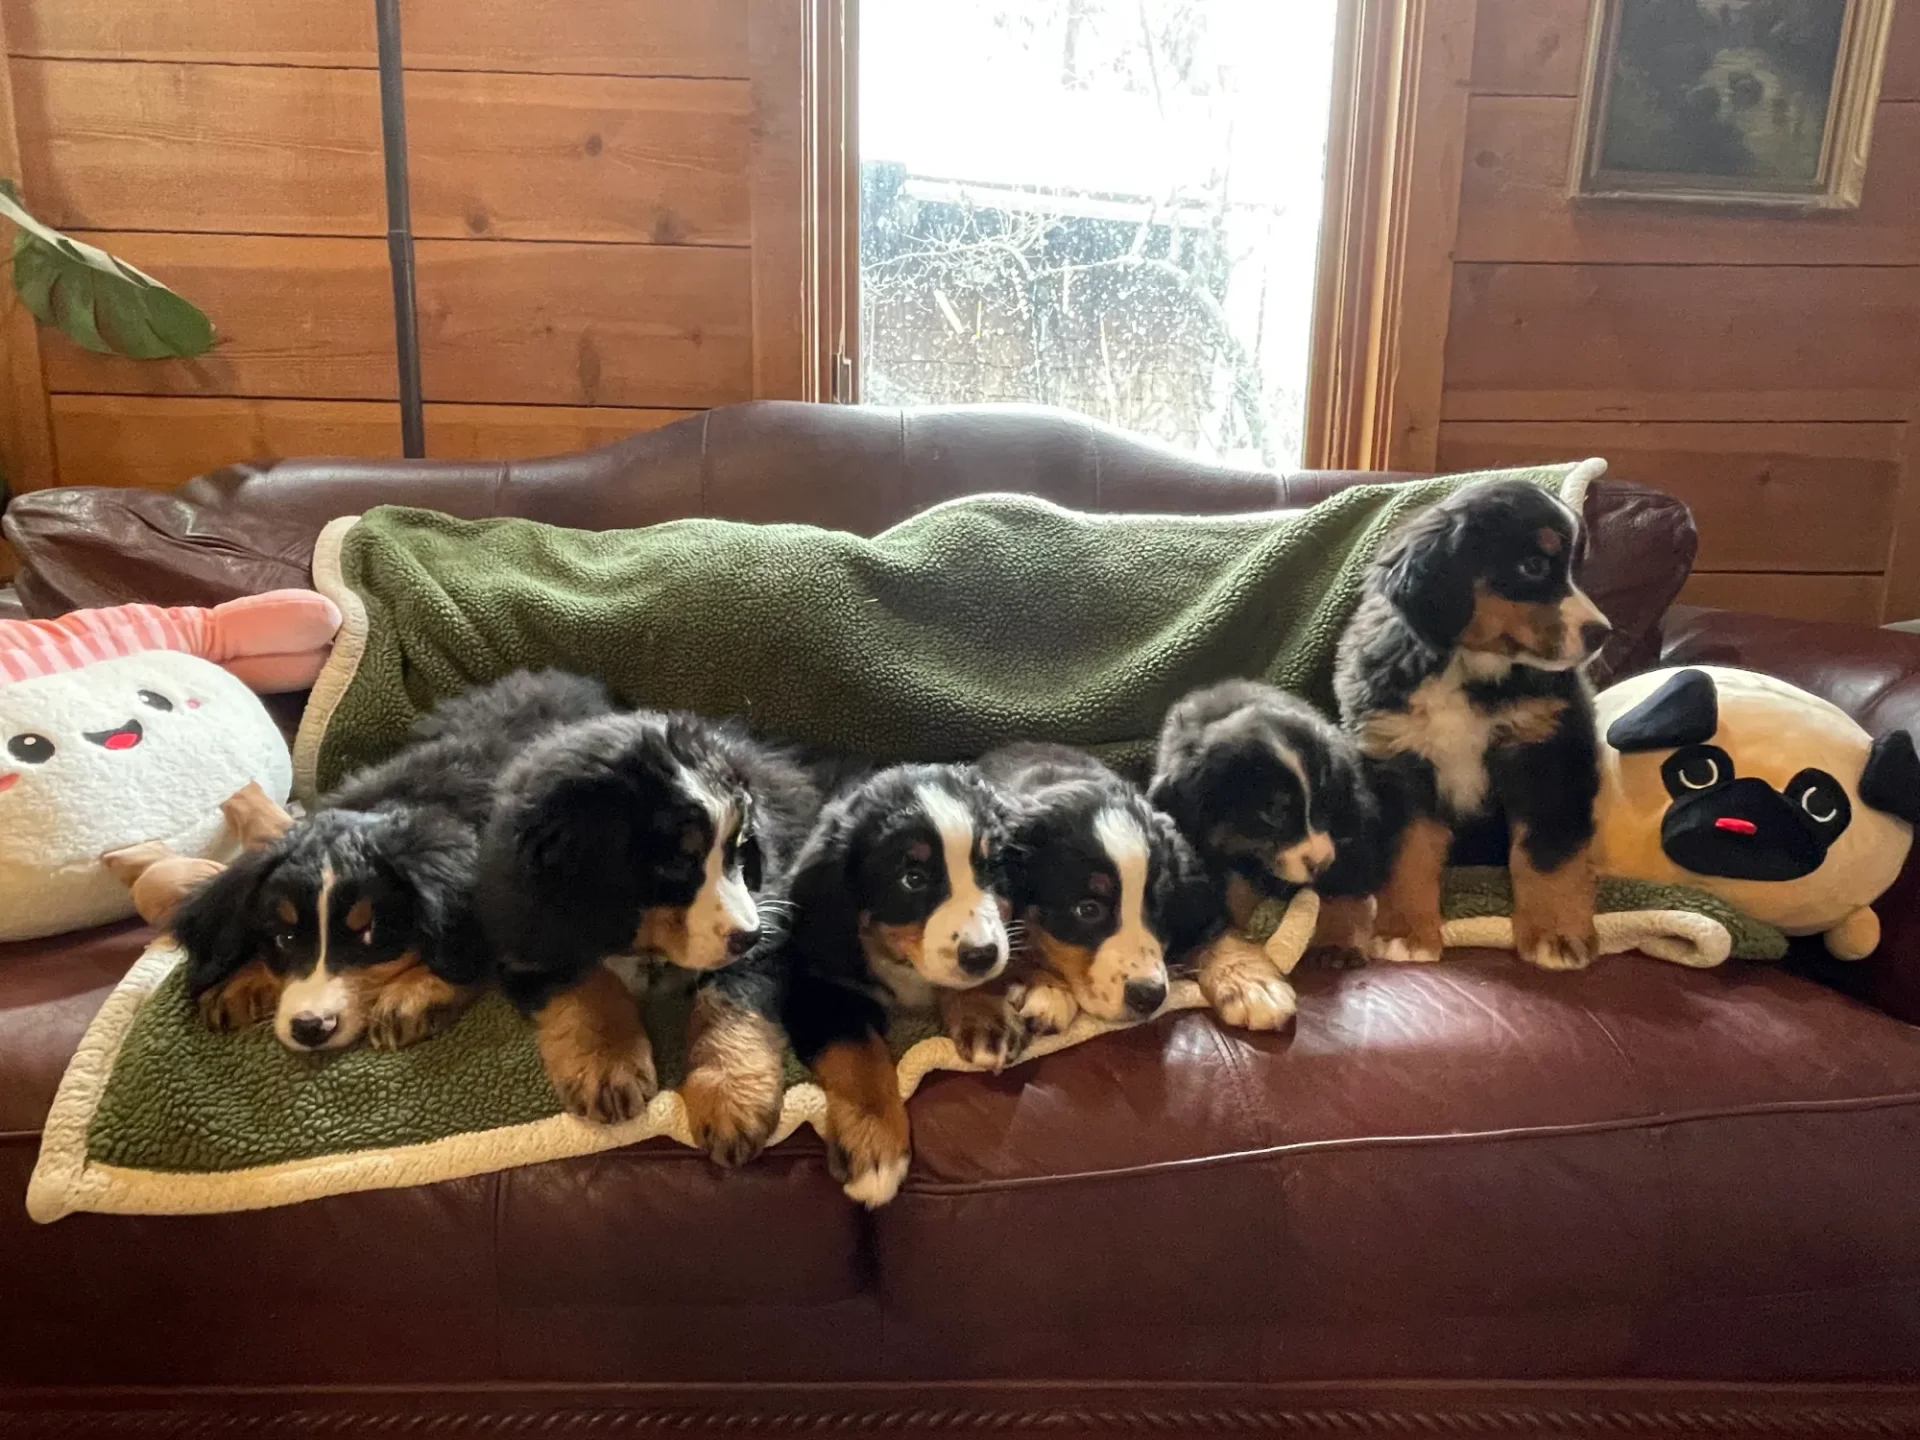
(1108, 205)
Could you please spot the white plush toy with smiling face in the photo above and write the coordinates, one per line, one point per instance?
(107, 743)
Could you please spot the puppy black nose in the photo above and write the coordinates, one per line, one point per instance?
(741, 942)
(1594, 634)
(1145, 996)
(979, 959)
(312, 1030)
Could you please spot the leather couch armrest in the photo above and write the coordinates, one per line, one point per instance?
(1874, 675)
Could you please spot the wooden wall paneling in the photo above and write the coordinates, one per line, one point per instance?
(1902, 598)
(1393, 195)
(514, 322)
(1677, 342)
(707, 38)
(1854, 599)
(780, 42)
(300, 318)
(156, 443)
(518, 432)
(233, 148)
(576, 157)
(26, 443)
(1514, 206)
(1538, 47)
(235, 32)
(1765, 497)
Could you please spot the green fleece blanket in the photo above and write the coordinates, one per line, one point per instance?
(988, 619)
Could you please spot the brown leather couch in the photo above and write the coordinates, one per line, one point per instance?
(1472, 1198)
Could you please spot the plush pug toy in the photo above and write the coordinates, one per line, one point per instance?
(1753, 790)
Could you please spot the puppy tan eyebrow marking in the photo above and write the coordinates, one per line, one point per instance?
(1549, 539)
(287, 911)
(361, 915)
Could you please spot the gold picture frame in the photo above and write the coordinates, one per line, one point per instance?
(1730, 102)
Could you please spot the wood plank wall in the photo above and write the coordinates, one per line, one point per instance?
(606, 195)
(1763, 368)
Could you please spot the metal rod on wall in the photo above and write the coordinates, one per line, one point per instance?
(393, 139)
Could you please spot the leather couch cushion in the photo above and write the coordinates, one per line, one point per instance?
(1576, 1171)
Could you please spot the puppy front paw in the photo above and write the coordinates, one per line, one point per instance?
(1551, 951)
(1045, 1005)
(985, 1029)
(409, 1011)
(730, 1122)
(608, 1089)
(249, 998)
(867, 1153)
(1245, 988)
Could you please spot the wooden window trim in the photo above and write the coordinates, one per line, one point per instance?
(1395, 146)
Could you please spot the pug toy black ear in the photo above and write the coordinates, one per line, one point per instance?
(1684, 711)
(1891, 782)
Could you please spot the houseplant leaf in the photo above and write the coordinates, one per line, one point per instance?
(97, 301)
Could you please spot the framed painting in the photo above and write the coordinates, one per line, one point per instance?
(1731, 102)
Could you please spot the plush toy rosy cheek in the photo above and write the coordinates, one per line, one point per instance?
(102, 750)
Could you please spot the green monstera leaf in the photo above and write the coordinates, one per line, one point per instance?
(98, 302)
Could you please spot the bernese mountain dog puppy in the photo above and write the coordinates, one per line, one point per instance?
(627, 850)
(1459, 677)
(1274, 798)
(358, 920)
(1106, 894)
(896, 902)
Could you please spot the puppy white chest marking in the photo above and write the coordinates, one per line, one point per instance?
(910, 991)
(969, 916)
(1443, 726)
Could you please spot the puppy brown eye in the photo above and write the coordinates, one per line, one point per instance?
(914, 880)
(1535, 568)
(283, 940)
(1090, 912)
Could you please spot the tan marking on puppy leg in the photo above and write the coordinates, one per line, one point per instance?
(1069, 965)
(1343, 932)
(867, 1135)
(249, 998)
(1406, 925)
(1245, 988)
(1552, 910)
(732, 1090)
(985, 1028)
(407, 1003)
(1043, 1001)
(596, 1051)
(1528, 722)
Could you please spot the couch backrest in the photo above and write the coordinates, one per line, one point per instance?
(249, 528)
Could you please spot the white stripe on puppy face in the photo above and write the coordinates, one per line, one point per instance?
(723, 907)
(319, 995)
(969, 918)
(1132, 953)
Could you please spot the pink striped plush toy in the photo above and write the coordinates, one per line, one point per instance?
(134, 724)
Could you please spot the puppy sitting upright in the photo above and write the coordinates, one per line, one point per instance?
(1459, 679)
(1106, 892)
(895, 903)
(1273, 798)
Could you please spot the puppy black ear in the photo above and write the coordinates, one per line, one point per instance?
(824, 917)
(1683, 711)
(1891, 782)
(1422, 578)
(436, 860)
(216, 924)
